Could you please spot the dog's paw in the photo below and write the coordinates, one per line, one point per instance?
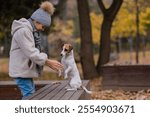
(71, 89)
(66, 77)
(67, 87)
(59, 73)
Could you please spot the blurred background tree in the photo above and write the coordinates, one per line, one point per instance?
(10, 10)
(86, 51)
(109, 10)
(108, 25)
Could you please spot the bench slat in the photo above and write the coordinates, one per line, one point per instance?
(59, 95)
(77, 95)
(58, 92)
(38, 92)
(45, 92)
(67, 95)
(55, 91)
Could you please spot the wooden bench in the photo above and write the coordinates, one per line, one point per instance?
(126, 77)
(58, 92)
(10, 91)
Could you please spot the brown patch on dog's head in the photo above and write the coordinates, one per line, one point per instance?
(67, 48)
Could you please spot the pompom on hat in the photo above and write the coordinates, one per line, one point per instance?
(43, 14)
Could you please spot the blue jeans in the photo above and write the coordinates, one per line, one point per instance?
(26, 86)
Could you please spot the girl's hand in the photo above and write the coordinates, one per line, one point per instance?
(53, 64)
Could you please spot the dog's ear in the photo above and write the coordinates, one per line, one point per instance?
(70, 47)
(62, 45)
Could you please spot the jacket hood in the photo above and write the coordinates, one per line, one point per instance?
(18, 24)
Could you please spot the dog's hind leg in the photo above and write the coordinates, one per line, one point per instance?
(67, 87)
(71, 89)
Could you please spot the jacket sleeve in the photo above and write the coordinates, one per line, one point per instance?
(26, 42)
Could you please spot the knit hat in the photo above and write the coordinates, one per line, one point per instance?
(43, 14)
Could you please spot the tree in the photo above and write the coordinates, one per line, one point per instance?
(16, 10)
(86, 51)
(109, 16)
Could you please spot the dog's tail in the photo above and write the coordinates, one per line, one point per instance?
(85, 89)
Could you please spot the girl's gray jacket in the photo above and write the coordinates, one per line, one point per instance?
(23, 49)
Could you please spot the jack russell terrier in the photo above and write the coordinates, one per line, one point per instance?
(70, 71)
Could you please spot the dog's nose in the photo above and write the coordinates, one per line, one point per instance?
(61, 54)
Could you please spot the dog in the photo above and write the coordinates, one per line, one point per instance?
(70, 71)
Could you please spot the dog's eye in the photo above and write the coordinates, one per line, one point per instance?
(66, 50)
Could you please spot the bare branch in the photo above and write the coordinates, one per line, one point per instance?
(101, 6)
(114, 8)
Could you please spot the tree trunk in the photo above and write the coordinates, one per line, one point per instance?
(86, 50)
(105, 44)
(109, 16)
(137, 31)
